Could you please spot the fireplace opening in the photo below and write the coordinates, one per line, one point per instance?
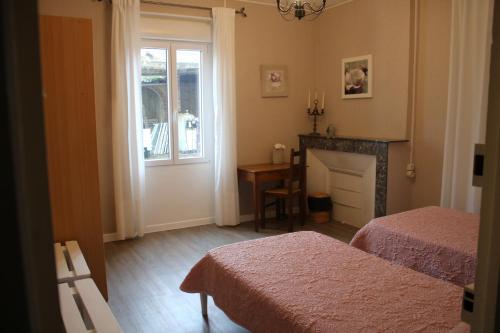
(349, 178)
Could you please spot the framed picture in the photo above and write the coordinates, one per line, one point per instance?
(357, 77)
(274, 80)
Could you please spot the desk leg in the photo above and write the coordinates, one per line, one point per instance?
(256, 204)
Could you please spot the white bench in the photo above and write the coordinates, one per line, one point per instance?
(83, 309)
(70, 264)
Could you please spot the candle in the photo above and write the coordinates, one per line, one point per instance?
(323, 101)
(316, 96)
(309, 99)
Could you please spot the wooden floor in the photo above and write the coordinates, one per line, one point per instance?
(144, 275)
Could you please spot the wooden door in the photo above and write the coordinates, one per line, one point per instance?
(70, 130)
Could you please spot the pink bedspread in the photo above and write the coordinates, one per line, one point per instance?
(436, 241)
(308, 282)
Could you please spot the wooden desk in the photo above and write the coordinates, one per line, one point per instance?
(258, 174)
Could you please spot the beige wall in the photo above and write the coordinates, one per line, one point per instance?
(380, 28)
(431, 100)
(312, 51)
(385, 33)
(398, 185)
(262, 38)
(430, 115)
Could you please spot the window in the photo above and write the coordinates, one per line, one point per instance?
(172, 104)
(188, 67)
(155, 101)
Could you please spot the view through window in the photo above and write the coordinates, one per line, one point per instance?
(182, 138)
(155, 103)
(188, 118)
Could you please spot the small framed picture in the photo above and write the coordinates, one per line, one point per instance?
(357, 77)
(274, 80)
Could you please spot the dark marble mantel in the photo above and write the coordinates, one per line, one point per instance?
(378, 147)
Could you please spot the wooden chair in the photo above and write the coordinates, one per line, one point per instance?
(294, 188)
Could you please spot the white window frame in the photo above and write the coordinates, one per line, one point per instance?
(165, 45)
(205, 86)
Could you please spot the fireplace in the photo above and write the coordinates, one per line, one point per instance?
(349, 179)
(354, 171)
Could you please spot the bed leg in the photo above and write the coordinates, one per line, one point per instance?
(203, 301)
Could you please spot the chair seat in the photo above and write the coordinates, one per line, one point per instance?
(296, 176)
(281, 192)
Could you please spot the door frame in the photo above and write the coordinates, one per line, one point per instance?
(486, 314)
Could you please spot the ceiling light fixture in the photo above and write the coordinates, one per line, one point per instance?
(299, 9)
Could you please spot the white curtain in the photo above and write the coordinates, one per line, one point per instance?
(467, 100)
(224, 93)
(128, 158)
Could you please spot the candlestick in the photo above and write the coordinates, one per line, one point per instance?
(315, 113)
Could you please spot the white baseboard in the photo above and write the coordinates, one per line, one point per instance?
(178, 224)
(110, 237)
(197, 222)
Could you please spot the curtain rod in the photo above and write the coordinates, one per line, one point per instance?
(240, 11)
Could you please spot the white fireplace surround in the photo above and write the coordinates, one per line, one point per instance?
(350, 180)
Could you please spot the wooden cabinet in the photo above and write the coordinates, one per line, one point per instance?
(70, 130)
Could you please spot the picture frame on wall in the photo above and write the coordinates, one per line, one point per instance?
(274, 80)
(357, 77)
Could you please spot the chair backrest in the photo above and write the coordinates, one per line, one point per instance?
(296, 171)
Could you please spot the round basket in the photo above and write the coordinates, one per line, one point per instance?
(320, 207)
(319, 217)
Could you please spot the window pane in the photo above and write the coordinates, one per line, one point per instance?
(156, 125)
(189, 100)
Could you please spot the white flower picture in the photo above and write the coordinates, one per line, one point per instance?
(357, 77)
(274, 80)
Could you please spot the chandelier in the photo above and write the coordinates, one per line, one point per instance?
(299, 9)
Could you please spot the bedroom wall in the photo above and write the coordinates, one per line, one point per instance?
(384, 32)
(431, 100)
(380, 28)
(261, 38)
(264, 38)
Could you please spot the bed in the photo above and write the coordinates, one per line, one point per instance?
(308, 282)
(436, 241)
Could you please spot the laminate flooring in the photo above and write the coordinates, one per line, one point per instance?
(144, 275)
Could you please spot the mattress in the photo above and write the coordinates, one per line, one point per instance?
(308, 282)
(436, 241)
